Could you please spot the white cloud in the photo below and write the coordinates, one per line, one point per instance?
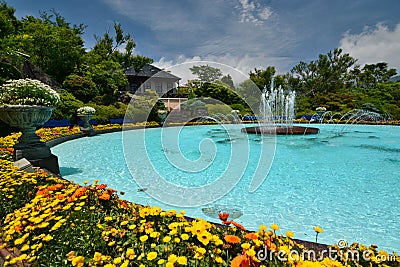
(254, 12)
(238, 67)
(373, 45)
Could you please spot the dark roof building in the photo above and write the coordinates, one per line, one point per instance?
(151, 77)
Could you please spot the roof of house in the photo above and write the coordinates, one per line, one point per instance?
(151, 71)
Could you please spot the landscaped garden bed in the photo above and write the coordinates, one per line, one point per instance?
(48, 221)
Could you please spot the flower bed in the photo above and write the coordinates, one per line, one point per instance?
(48, 221)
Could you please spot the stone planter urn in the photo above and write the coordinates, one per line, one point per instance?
(27, 119)
(162, 114)
(86, 118)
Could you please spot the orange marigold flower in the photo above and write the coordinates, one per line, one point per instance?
(251, 236)
(18, 228)
(80, 192)
(223, 216)
(104, 196)
(232, 239)
(101, 186)
(270, 245)
(240, 261)
(111, 191)
(123, 204)
(238, 225)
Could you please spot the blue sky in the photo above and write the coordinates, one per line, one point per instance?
(243, 34)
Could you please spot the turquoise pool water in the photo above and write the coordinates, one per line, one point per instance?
(348, 184)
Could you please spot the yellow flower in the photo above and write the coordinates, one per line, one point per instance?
(47, 238)
(204, 237)
(169, 264)
(318, 229)
(24, 247)
(289, 234)
(111, 243)
(108, 218)
(130, 253)
(144, 238)
(182, 260)
(160, 261)
(251, 252)
(154, 234)
(125, 264)
(246, 245)
(117, 260)
(151, 255)
(263, 228)
(172, 258)
(167, 239)
(97, 257)
(132, 226)
(177, 240)
(185, 236)
(218, 259)
(78, 261)
(274, 227)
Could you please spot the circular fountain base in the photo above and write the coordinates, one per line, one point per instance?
(281, 130)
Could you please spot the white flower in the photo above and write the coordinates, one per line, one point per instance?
(86, 111)
(28, 92)
(320, 109)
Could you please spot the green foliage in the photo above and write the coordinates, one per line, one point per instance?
(330, 73)
(218, 108)
(8, 72)
(67, 107)
(105, 113)
(53, 45)
(218, 91)
(262, 78)
(206, 74)
(136, 114)
(81, 87)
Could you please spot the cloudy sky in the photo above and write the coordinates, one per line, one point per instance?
(244, 34)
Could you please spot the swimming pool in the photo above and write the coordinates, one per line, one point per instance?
(347, 183)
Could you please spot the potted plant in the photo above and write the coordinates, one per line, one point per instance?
(26, 104)
(86, 113)
(320, 110)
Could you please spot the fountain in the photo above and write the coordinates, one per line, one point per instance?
(277, 114)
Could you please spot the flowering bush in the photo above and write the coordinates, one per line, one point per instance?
(86, 111)
(48, 134)
(27, 92)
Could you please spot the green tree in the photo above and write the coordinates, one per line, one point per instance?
(82, 88)
(52, 44)
(106, 62)
(66, 108)
(330, 73)
(372, 74)
(218, 91)
(263, 78)
(206, 73)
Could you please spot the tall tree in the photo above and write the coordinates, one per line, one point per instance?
(107, 61)
(52, 44)
(206, 73)
(372, 74)
(330, 73)
(262, 78)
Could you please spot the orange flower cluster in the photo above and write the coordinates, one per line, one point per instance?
(45, 190)
(78, 193)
